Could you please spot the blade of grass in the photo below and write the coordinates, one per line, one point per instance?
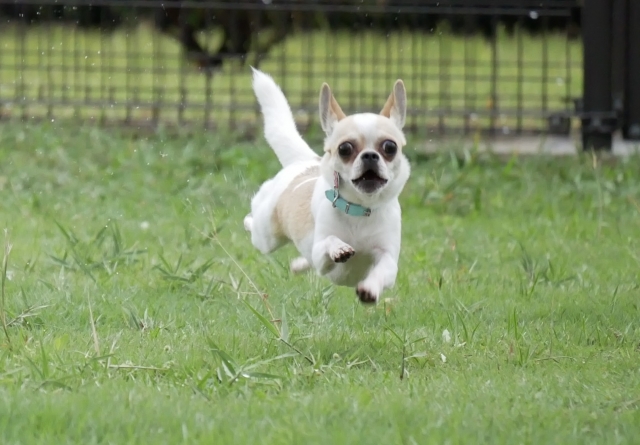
(284, 328)
(267, 324)
(94, 334)
(5, 263)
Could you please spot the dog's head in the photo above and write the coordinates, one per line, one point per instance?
(365, 149)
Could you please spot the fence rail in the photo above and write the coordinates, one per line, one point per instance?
(471, 66)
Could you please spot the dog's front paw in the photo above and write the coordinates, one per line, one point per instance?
(342, 253)
(367, 294)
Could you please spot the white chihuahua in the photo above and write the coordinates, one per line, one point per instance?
(341, 210)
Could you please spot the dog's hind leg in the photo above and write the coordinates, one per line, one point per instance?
(263, 237)
(299, 264)
(248, 222)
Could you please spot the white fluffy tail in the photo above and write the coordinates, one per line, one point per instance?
(279, 127)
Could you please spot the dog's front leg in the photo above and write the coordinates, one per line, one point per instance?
(329, 251)
(382, 275)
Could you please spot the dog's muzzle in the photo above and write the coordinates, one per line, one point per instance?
(370, 181)
(370, 160)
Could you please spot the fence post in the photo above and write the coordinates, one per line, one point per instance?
(631, 127)
(619, 39)
(598, 120)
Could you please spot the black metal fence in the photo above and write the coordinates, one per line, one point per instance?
(471, 66)
(611, 99)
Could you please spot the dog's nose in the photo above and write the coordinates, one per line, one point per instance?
(370, 157)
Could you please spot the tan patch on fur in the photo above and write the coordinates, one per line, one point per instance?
(335, 107)
(388, 105)
(292, 217)
(392, 100)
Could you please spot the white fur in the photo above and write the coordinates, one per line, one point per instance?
(360, 252)
(279, 127)
(299, 264)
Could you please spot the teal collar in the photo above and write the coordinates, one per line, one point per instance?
(339, 202)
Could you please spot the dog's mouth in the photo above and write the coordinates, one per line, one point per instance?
(370, 181)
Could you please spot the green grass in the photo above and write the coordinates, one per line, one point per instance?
(63, 68)
(137, 311)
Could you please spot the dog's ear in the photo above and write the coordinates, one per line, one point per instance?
(396, 106)
(330, 111)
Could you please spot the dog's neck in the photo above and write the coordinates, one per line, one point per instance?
(342, 204)
(376, 202)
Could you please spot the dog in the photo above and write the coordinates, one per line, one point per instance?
(341, 210)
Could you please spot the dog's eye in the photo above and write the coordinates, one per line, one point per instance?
(345, 149)
(390, 148)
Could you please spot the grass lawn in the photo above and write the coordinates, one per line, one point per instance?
(136, 310)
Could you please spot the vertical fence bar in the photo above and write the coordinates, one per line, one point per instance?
(469, 77)
(544, 75)
(128, 94)
(230, 53)
(631, 127)
(20, 62)
(568, 66)
(49, 52)
(179, 19)
(495, 64)
(619, 52)
(597, 130)
(520, 74)
(353, 80)
(443, 80)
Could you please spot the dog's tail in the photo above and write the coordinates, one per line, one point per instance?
(279, 127)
